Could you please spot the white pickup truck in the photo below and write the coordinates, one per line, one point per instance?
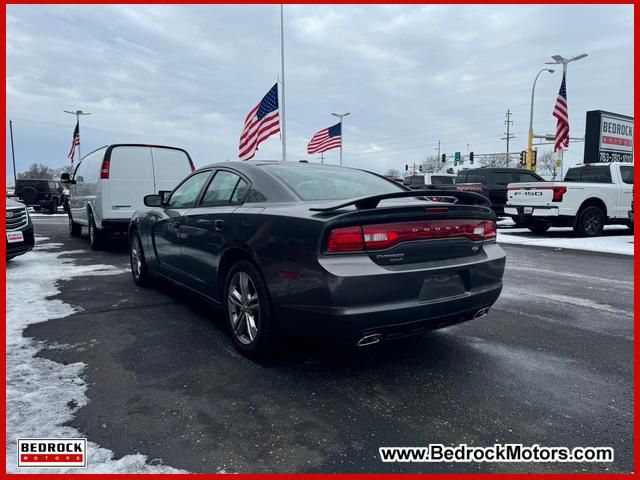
(591, 196)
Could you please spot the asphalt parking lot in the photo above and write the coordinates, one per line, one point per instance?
(552, 364)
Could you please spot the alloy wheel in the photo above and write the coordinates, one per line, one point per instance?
(136, 260)
(244, 308)
(592, 222)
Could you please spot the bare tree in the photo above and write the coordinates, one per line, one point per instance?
(546, 165)
(494, 160)
(393, 173)
(431, 164)
(38, 170)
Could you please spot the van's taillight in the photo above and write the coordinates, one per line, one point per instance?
(558, 192)
(104, 170)
(383, 236)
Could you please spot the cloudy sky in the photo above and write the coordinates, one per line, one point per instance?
(409, 75)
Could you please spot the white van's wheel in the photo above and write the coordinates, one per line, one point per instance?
(75, 229)
(95, 235)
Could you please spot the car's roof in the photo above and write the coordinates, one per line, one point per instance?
(494, 169)
(36, 180)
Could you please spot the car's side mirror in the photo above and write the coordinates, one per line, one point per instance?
(66, 178)
(153, 200)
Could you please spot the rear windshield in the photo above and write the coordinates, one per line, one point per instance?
(589, 174)
(313, 183)
(441, 180)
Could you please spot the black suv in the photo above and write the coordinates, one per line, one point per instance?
(40, 194)
(494, 182)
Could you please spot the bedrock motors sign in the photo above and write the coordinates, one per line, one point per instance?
(52, 452)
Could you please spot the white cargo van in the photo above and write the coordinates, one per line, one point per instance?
(110, 183)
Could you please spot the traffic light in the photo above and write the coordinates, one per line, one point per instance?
(406, 167)
(534, 157)
(420, 167)
(523, 158)
(444, 157)
(471, 158)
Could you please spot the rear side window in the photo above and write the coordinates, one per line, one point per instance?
(573, 175)
(627, 174)
(461, 178)
(502, 178)
(476, 177)
(526, 177)
(441, 180)
(221, 189)
(596, 174)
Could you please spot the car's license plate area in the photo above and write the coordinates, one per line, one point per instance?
(528, 210)
(15, 237)
(444, 285)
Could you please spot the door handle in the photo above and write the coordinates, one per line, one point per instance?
(176, 226)
(218, 224)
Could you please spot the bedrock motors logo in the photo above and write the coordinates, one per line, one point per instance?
(52, 452)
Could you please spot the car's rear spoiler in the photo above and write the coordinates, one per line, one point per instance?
(364, 203)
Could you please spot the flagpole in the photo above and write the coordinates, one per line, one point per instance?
(77, 113)
(284, 116)
(341, 117)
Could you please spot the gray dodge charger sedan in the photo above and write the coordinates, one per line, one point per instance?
(298, 249)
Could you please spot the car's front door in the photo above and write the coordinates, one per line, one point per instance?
(165, 231)
(210, 228)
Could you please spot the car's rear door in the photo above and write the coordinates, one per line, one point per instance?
(165, 229)
(500, 179)
(210, 228)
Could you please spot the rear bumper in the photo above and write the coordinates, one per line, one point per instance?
(15, 249)
(552, 215)
(397, 303)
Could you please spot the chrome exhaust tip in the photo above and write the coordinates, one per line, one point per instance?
(481, 313)
(369, 340)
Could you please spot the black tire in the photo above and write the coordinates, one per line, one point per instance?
(590, 222)
(75, 229)
(538, 227)
(139, 271)
(265, 337)
(518, 221)
(96, 237)
(29, 195)
(53, 207)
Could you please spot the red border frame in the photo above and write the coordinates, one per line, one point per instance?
(636, 270)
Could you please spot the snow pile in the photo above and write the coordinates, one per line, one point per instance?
(613, 239)
(43, 395)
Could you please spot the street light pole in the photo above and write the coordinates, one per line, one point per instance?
(77, 113)
(530, 142)
(341, 116)
(13, 156)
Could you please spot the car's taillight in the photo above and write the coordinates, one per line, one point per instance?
(345, 239)
(104, 170)
(558, 192)
(383, 236)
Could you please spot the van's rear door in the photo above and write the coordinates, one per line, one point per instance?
(170, 166)
(130, 179)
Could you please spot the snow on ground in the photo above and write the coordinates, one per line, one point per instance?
(613, 240)
(43, 395)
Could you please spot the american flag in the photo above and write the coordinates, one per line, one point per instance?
(75, 141)
(261, 122)
(561, 112)
(326, 139)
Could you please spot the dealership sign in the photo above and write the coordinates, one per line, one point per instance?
(608, 137)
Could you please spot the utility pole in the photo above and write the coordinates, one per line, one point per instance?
(508, 122)
(77, 113)
(13, 155)
(322, 157)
